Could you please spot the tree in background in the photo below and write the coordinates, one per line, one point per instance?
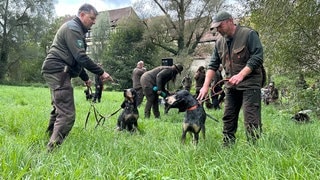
(181, 25)
(290, 33)
(22, 24)
(125, 48)
(100, 33)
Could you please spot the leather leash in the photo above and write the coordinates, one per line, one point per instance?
(98, 117)
(214, 93)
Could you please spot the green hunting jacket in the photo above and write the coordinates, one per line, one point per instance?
(158, 76)
(69, 49)
(244, 49)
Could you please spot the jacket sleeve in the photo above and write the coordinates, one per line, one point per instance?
(76, 45)
(215, 60)
(256, 51)
(163, 77)
(83, 75)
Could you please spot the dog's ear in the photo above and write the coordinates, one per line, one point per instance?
(125, 93)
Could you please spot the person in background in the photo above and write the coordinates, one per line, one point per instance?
(187, 82)
(240, 52)
(316, 85)
(67, 59)
(98, 84)
(273, 93)
(200, 76)
(217, 87)
(136, 75)
(154, 84)
(301, 83)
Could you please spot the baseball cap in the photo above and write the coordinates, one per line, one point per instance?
(218, 18)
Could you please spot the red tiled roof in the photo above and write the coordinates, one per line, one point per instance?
(209, 37)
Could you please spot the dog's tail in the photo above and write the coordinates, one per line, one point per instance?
(211, 117)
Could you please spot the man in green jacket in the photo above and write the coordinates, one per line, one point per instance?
(154, 84)
(67, 59)
(136, 75)
(240, 52)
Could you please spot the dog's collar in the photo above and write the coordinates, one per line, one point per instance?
(192, 107)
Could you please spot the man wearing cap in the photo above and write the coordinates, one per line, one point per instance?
(240, 52)
(154, 84)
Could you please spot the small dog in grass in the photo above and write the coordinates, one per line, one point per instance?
(128, 118)
(195, 116)
(302, 116)
(88, 93)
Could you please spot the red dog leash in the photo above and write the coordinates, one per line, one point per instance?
(218, 83)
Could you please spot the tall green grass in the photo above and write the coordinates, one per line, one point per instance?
(287, 150)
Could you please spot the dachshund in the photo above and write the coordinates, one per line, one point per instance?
(128, 119)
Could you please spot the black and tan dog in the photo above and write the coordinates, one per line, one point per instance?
(195, 116)
(128, 118)
(302, 116)
(88, 93)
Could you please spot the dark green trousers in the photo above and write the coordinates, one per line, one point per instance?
(152, 103)
(250, 101)
(62, 117)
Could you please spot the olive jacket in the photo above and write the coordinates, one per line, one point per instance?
(68, 52)
(243, 49)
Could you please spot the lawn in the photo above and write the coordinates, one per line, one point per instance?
(287, 150)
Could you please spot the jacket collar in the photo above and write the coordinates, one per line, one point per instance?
(84, 29)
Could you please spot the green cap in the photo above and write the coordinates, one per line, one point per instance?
(218, 18)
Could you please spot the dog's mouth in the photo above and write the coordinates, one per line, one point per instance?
(173, 104)
(130, 99)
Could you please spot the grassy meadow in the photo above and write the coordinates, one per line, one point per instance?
(287, 150)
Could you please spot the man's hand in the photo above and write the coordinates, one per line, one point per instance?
(88, 83)
(203, 93)
(236, 79)
(105, 76)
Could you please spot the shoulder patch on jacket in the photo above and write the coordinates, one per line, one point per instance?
(80, 43)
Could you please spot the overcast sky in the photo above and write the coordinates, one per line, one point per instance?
(70, 7)
(64, 7)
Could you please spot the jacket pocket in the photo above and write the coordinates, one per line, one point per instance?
(240, 55)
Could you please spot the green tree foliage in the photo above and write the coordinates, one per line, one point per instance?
(125, 48)
(25, 63)
(181, 25)
(290, 33)
(100, 35)
(22, 24)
